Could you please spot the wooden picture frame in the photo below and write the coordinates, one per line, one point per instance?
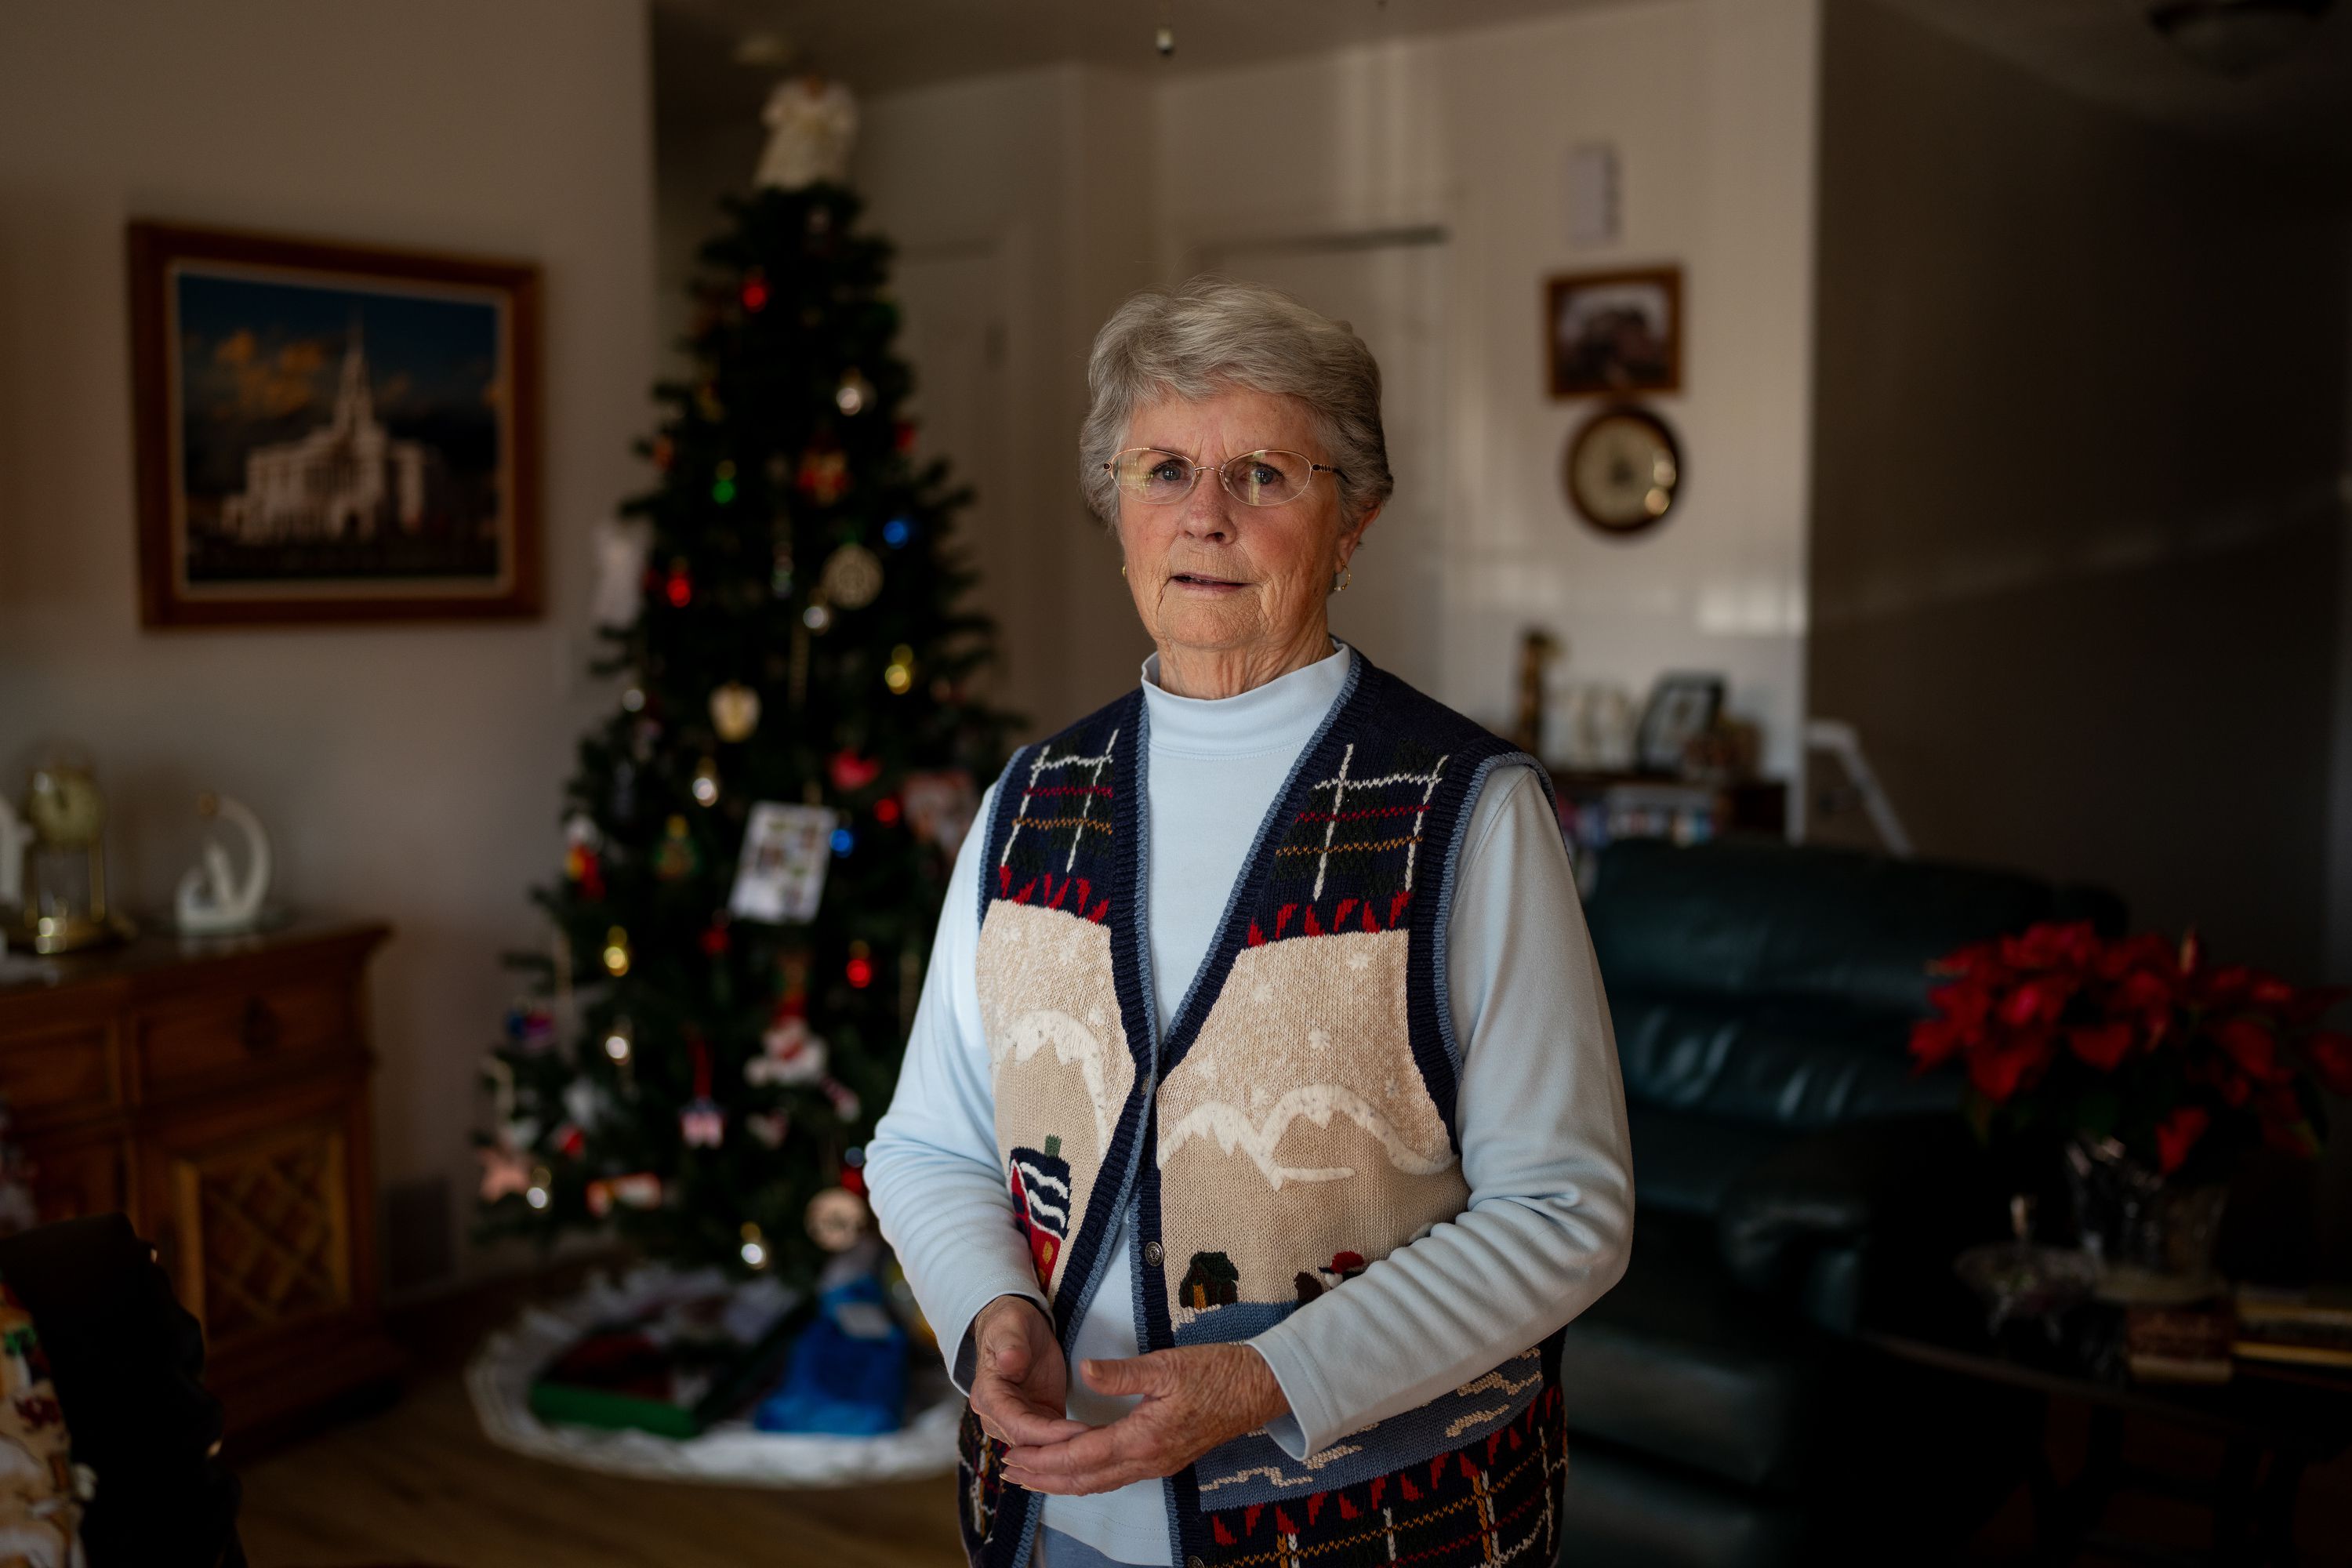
(331, 432)
(1614, 333)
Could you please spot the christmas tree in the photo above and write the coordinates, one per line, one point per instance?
(759, 837)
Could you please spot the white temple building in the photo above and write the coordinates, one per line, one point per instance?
(346, 479)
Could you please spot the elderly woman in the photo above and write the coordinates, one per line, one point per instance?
(1263, 1073)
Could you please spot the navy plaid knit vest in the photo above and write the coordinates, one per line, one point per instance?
(1292, 1126)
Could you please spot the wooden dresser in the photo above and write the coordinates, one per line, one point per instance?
(217, 1091)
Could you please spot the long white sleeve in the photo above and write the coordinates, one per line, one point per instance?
(931, 1169)
(1541, 1115)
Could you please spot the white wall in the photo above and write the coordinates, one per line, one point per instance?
(1094, 182)
(410, 773)
(1709, 104)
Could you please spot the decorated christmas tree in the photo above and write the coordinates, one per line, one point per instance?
(760, 834)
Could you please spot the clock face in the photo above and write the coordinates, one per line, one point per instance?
(65, 808)
(1623, 470)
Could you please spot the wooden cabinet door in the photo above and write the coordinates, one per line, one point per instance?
(253, 1208)
(85, 1177)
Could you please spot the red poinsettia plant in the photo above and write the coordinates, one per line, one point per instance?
(2137, 1038)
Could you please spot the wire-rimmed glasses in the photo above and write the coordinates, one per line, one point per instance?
(1268, 476)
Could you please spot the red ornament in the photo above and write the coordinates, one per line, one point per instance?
(755, 293)
(886, 810)
(904, 432)
(586, 869)
(714, 937)
(823, 475)
(679, 588)
(571, 1142)
(851, 772)
(860, 972)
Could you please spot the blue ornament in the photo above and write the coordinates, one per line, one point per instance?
(897, 531)
(843, 841)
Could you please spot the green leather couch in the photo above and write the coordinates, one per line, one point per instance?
(1790, 1174)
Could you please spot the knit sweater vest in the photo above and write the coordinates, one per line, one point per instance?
(1292, 1126)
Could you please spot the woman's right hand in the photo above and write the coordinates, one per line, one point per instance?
(1020, 1383)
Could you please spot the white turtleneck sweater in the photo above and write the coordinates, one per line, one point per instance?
(1541, 1111)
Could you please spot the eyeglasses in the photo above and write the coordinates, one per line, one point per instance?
(1266, 477)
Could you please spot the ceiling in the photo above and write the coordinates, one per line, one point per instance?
(878, 45)
(2103, 51)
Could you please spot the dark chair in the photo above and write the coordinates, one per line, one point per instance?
(127, 1362)
(1789, 1171)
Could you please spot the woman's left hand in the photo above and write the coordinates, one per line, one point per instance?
(1192, 1399)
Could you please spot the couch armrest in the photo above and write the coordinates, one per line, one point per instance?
(1825, 1219)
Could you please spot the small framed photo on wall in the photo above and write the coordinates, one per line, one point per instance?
(331, 432)
(1614, 332)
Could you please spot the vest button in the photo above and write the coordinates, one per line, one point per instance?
(1193, 1563)
(1152, 1254)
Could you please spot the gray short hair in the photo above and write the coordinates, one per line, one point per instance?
(1212, 334)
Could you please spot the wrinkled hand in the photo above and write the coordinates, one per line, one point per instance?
(1192, 1399)
(1020, 1383)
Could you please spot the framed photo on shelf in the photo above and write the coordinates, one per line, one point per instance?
(330, 432)
(1614, 332)
(1681, 708)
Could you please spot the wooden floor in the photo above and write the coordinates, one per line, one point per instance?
(417, 1484)
(420, 1484)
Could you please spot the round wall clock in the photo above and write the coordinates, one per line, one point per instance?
(1622, 470)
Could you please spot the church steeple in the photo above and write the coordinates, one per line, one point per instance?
(354, 402)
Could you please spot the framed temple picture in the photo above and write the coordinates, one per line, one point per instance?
(1614, 332)
(330, 432)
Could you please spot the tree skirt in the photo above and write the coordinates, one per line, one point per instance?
(732, 1452)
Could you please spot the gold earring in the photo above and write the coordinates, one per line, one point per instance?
(1122, 568)
(1342, 577)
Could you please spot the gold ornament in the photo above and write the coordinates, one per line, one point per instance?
(851, 577)
(837, 1219)
(734, 712)
(898, 675)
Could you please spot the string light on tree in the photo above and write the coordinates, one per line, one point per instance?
(617, 953)
(705, 787)
(620, 1042)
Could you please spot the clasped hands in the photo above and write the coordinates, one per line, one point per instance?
(1192, 1399)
